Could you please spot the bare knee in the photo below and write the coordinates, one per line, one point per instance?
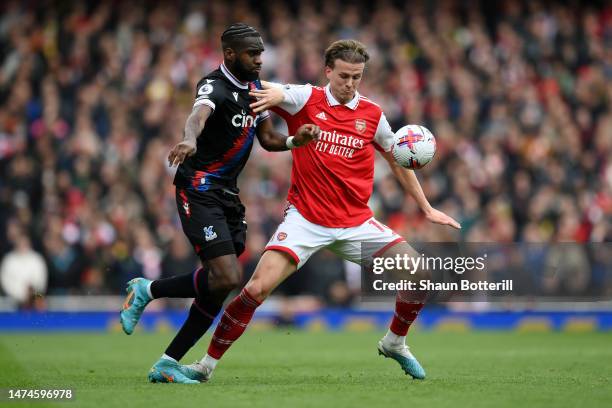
(225, 274)
(273, 268)
(258, 290)
(228, 280)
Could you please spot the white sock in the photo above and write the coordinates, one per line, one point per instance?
(167, 357)
(149, 290)
(392, 339)
(209, 362)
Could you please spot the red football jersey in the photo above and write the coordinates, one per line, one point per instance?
(332, 179)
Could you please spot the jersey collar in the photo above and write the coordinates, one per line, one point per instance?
(352, 104)
(233, 79)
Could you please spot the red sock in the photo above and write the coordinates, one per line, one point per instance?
(407, 309)
(234, 322)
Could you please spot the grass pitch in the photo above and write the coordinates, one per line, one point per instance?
(292, 368)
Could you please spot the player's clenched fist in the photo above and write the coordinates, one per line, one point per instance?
(305, 134)
(180, 152)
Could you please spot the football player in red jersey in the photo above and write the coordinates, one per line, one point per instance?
(331, 183)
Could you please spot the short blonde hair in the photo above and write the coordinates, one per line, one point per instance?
(351, 51)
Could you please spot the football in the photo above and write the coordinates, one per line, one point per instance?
(414, 146)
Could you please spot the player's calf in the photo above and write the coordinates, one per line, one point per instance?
(408, 304)
(393, 344)
(272, 269)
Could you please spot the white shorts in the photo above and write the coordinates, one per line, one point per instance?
(300, 238)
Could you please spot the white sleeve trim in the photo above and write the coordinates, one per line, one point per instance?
(263, 116)
(384, 134)
(204, 101)
(295, 98)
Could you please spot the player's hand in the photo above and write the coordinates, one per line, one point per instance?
(180, 152)
(266, 98)
(439, 217)
(305, 134)
(266, 84)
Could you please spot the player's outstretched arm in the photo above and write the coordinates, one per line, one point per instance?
(290, 98)
(193, 128)
(409, 181)
(267, 98)
(274, 141)
(268, 85)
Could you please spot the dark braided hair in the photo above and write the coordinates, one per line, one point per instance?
(236, 32)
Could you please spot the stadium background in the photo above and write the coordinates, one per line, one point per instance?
(93, 95)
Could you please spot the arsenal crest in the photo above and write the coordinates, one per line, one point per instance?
(360, 125)
(281, 236)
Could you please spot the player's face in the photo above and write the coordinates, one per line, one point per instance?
(247, 59)
(344, 79)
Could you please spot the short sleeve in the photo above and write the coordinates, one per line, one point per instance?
(209, 92)
(263, 116)
(295, 97)
(384, 134)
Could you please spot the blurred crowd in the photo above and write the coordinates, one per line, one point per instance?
(94, 94)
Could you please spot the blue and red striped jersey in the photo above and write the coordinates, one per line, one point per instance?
(224, 145)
